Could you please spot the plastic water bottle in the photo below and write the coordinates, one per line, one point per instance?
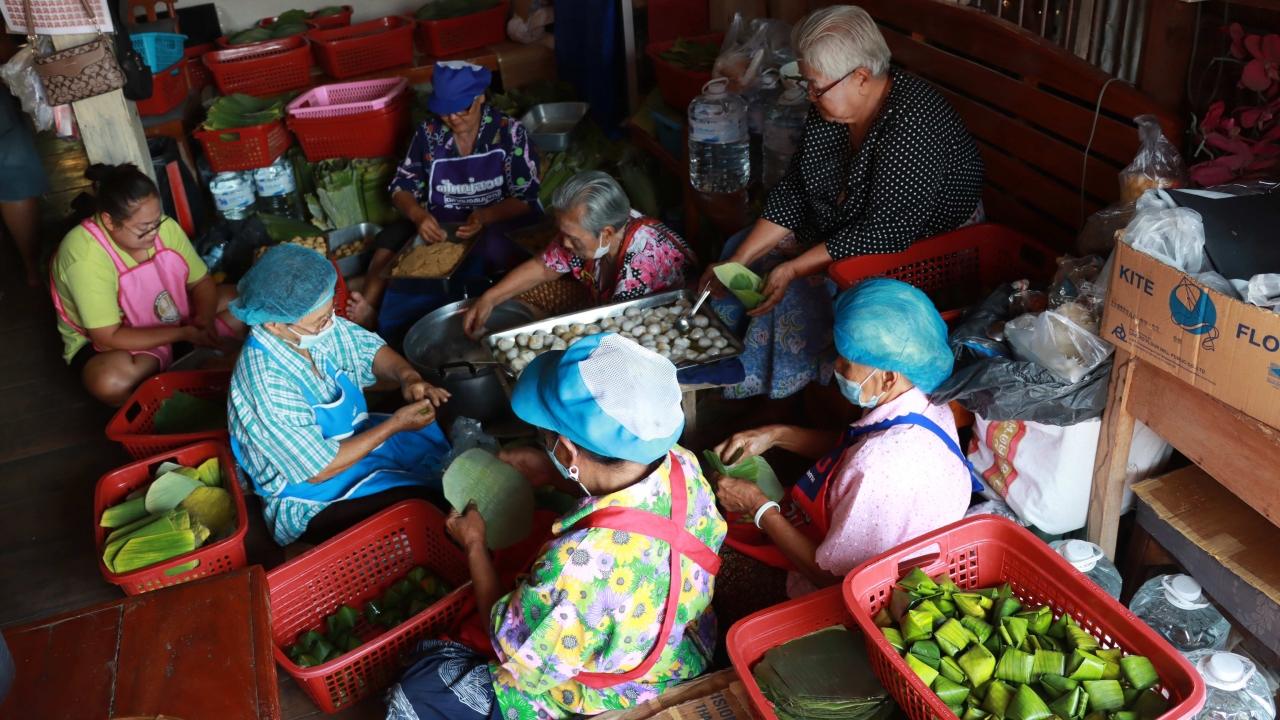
(277, 189)
(1090, 560)
(719, 149)
(759, 99)
(1234, 689)
(783, 127)
(233, 195)
(1175, 608)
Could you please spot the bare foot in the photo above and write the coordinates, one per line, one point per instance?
(361, 312)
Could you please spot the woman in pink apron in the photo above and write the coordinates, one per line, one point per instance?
(127, 285)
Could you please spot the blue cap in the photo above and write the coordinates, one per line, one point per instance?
(455, 84)
(606, 394)
(890, 325)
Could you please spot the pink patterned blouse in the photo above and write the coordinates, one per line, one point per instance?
(655, 260)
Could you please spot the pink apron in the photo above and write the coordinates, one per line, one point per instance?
(152, 293)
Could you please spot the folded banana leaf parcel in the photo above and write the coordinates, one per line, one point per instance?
(824, 675)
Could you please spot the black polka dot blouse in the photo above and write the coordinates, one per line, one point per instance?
(917, 173)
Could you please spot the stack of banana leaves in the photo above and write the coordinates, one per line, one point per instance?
(350, 192)
(692, 55)
(983, 653)
(825, 674)
(240, 111)
(449, 9)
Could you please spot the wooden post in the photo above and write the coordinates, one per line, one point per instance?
(109, 124)
(1112, 461)
(1166, 51)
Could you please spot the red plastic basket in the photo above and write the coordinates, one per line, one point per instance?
(244, 148)
(364, 47)
(168, 90)
(134, 424)
(224, 42)
(219, 557)
(198, 74)
(340, 292)
(446, 37)
(958, 268)
(331, 21)
(265, 68)
(676, 85)
(353, 568)
(752, 636)
(362, 135)
(984, 551)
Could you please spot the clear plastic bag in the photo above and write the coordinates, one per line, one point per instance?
(997, 508)
(1157, 164)
(1052, 340)
(467, 434)
(1264, 291)
(1175, 607)
(742, 55)
(1235, 689)
(1098, 236)
(23, 81)
(1215, 281)
(1174, 236)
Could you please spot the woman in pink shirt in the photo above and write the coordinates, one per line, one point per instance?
(893, 475)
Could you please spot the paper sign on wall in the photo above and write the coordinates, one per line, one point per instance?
(57, 17)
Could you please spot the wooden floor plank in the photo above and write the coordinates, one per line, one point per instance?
(51, 577)
(48, 497)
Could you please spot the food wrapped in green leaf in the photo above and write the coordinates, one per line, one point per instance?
(746, 286)
(1026, 705)
(978, 664)
(1104, 695)
(1139, 672)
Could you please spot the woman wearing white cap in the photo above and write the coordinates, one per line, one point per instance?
(609, 616)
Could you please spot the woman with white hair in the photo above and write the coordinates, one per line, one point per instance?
(617, 253)
(884, 161)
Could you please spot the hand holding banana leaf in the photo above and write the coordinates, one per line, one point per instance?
(775, 288)
(467, 528)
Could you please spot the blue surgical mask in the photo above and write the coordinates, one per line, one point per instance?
(310, 342)
(853, 391)
(568, 473)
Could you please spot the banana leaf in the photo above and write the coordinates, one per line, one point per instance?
(754, 469)
(339, 193)
(503, 496)
(183, 413)
(375, 177)
(744, 284)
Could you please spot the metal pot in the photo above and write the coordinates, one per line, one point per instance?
(438, 349)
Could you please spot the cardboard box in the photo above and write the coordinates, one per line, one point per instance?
(522, 64)
(691, 692)
(722, 12)
(1226, 348)
(732, 703)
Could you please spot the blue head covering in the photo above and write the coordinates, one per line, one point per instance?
(455, 84)
(889, 325)
(286, 284)
(606, 394)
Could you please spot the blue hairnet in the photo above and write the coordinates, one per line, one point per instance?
(889, 325)
(286, 284)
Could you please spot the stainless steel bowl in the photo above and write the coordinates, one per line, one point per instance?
(551, 125)
(358, 263)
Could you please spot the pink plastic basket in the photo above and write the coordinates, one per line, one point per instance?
(340, 99)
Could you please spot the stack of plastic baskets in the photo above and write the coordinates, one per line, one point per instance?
(246, 148)
(365, 47)
(341, 19)
(352, 120)
(198, 75)
(262, 69)
(676, 85)
(163, 54)
(438, 38)
(159, 50)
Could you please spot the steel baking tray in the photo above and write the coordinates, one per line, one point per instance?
(734, 348)
(551, 125)
(438, 285)
(362, 233)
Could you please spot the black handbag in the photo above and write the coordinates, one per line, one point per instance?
(137, 74)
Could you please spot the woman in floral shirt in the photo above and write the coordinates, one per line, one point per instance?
(618, 254)
(601, 623)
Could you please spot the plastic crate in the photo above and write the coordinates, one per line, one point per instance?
(958, 268)
(266, 68)
(198, 75)
(133, 425)
(350, 569)
(752, 636)
(446, 37)
(676, 85)
(216, 558)
(984, 551)
(224, 42)
(671, 19)
(336, 100)
(168, 90)
(159, 50)
(332, 21)
(340, 291)
(361, 135)
(670, 133)
(364, 47)
(244, 148)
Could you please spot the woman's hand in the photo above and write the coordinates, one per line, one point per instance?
(477, 315)
(775, 288)
(709, 276)
(208, 323)
(748, 443)
(533, 463)
(415, 416)
(415, 388)
(199, 337)
(429, 229)
(474, 224)
(467, 527)
(739, 496)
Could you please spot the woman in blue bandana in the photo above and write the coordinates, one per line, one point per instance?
(472, 165)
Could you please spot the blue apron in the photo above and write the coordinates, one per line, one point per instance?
(406, 458)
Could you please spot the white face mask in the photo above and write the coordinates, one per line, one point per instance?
(311, 341)
(601, 251)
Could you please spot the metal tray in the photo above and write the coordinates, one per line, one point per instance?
(599, 313)
(551, 125)
(358, 263)
(428, 285)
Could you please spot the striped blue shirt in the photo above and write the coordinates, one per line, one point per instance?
(274, 425)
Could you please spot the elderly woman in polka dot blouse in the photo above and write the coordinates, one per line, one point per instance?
(884, 161)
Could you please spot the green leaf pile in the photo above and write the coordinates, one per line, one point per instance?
(449, 9)
(692, 55)
(183, 413)
(825, 674)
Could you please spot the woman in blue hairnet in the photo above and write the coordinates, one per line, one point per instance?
(893, 475)
(299, 423)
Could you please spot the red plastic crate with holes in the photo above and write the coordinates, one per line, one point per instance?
(246, 148)
(446, 37)
(340, 291)
(752, 636)
(676, 85)
(363, 47)
(350, 569)
(956, 269)
(198, 74)
(133, 426)
(168, 90)
(329, 21)
(378, 133)
(261, 69)
(212, 559)
(985, 551)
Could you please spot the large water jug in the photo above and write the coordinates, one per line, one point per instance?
(783, 128)
(1090, 560)
(719, 149)
(277, 189)
(1175, 607)
(1234, 689)
(233, 195)
(759, 98)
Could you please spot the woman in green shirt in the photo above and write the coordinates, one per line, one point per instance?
(128, 284)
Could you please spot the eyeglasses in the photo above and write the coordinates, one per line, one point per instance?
(324, 324)
(808, 85)
(152, 228)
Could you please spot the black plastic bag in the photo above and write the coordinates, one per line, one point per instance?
(230, 246)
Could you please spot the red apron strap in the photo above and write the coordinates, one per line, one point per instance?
(670, 530)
